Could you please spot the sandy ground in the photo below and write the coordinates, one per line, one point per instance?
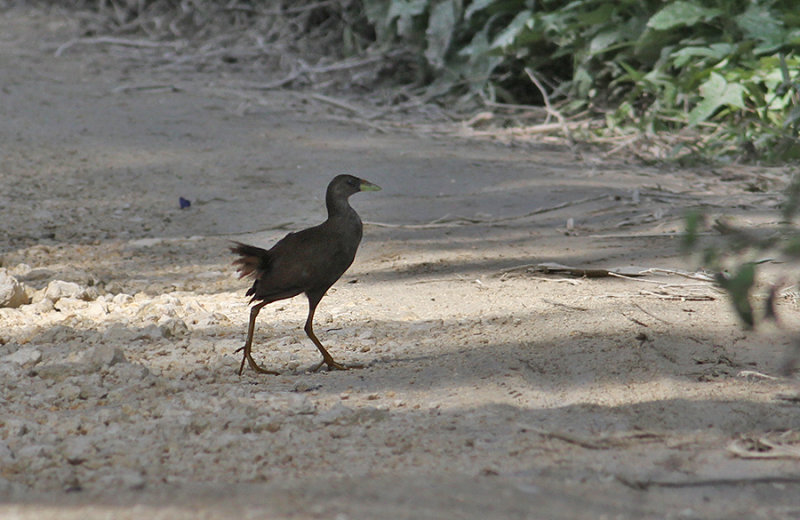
(490, 391)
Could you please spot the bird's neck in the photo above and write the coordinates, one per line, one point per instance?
(337, 206)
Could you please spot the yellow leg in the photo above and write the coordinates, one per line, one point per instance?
(327, 359)
(249, 343)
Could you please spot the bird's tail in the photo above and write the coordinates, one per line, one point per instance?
(253, 261)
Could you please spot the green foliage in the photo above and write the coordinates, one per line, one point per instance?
(654, 66)
(733, 261)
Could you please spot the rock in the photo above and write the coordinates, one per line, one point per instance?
(96, 310)
(67, 304)
(298, 404)
(42, 306)
(130, 372)
(58, 289)
(78, 449)
(102, 356)
(12, 293)
(173, 327)
(24, 357)
(21, 270)
(118, 333)
(15, 428)
(149, 333)
(68, 391)
(304, 386)
(122, 299)
(36, 274)
(209, 319)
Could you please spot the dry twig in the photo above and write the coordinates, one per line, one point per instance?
(113, 41)
(453, 221)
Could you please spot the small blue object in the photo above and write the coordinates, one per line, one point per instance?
(184, 203)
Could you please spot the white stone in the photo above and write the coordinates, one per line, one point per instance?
(12, 293)
(21, 270)
(104, 356)
(68, 303)
(122, 299)
(130, 372)
(118, 333)
(58, 289)
(42, 306)
(24, 357)
(173, 327)
(96, 309)
(68, 391)
(149, 333)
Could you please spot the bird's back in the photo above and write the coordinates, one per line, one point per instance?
(308, 261)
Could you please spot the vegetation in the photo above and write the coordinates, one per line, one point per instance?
(720, 78)
(736, 259)
(728, 69)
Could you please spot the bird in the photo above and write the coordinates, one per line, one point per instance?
(304, 262)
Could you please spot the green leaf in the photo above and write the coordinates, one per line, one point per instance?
(715, 51)
(716, 93)
(405, 11)
(480, 61)
(693, 220)
(475, 6)
(680, 13)
(439, 34)
(509, 34)
(757, 23)
(739, 289)
(377, 12)
(604, 40)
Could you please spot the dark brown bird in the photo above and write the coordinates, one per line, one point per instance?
(308, 261)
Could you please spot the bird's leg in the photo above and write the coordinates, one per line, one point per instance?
(249, 343)
(327, 359)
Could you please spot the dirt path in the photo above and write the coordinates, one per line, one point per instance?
(490, 391)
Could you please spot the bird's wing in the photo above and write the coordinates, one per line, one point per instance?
(309, 258)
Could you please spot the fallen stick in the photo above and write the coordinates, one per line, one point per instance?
(448, 221)
(644, 485)
(112, 41)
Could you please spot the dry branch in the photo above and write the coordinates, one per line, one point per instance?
(453, 221)
(113, 41)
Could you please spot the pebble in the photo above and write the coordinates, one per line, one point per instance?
(102, 356)
(122, 299)
(42, 306)
(67, 304)
(16, 428)
(96, 310)
(77, 449)
(173, 327)
(68, 391)
(130, 372)
(12, 292)
(25, 357)
(58, 289)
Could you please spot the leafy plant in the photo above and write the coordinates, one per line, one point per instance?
(657, 67)
(734, 260)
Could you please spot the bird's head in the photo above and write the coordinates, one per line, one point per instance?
(346, 185)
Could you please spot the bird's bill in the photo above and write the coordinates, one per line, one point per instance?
(368, 186)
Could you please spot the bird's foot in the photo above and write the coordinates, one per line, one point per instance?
(252, 363)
